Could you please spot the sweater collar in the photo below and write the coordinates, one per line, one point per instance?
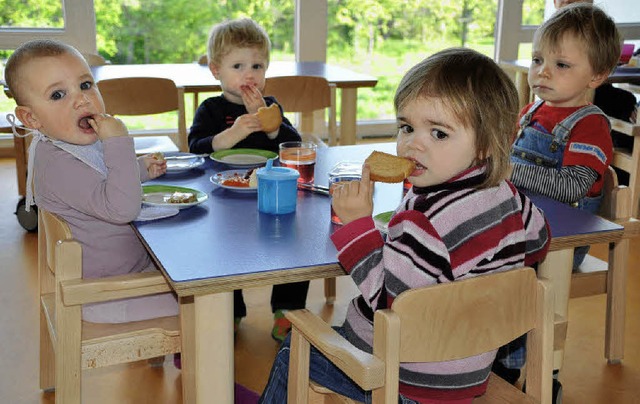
(472, 177)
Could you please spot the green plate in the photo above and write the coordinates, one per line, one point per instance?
(243, 158)
(157, 195)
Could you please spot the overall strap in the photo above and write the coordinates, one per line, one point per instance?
(526, 118)
(562, 130)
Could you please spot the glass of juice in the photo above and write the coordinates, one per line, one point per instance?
(339, 174)
(300, 156)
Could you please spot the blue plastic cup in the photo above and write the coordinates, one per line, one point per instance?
(277, 189)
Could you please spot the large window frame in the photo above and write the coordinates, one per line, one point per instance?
(79, 29)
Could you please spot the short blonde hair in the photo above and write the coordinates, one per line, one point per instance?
(232, 34)
(590, 25)
(481, 96)
(27, 52)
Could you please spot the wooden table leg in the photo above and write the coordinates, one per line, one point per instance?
(207, 348)
(616, 301)
(557, 268)
(348, 116)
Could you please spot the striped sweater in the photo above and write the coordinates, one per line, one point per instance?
(439, 234)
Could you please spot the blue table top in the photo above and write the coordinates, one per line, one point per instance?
(225, 239)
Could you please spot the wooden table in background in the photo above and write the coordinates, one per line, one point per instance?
(195, 78)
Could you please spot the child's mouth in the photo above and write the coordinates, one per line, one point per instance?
(83, 123)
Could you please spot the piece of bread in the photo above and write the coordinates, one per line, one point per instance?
(386, 167)
(158, 156)
(182, 197)
(270, 117)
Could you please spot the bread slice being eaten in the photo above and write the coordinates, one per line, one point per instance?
(270, 117)
(385, 167)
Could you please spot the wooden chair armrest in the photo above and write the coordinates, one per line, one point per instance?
(365, 369)
(83, 291)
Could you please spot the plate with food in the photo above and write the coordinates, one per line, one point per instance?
(179, 162)
(243, 158)
(168, 195)
(237, 180)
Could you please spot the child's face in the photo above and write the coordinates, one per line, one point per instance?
(563, 76)
(431, 135)
(238, 68)
(60, 95)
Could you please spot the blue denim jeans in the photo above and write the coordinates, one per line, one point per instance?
(321, 371)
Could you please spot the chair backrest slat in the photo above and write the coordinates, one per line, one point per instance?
(139, 95)
(466, 317)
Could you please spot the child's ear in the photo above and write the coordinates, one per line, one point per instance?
(598, 79)
(214, 70)
(27, 117)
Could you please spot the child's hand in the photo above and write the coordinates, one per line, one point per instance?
(354, 199)
(107, 126)
(154, 167)
(252, 98)
(247, 124)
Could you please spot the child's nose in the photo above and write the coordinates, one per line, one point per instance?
(81, 100)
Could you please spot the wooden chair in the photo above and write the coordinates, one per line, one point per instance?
(132, 96)
(67, 344)
(94, 59)
(629, 160)
(306, 94)
(434, 324)
(591, 278)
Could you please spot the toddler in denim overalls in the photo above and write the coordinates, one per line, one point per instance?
(535, 145)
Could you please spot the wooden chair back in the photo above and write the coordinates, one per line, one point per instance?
(592, 276)
(435, 324)
(131, 96)
(305, 94)
(629, 160)
(67, 344)
(94, 59)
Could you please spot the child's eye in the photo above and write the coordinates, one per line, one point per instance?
(237, 66)
(562, 65)
(536, 61)
(438, 134)
(86, 85)
(258, 66)
(57, 95)
(404, 129)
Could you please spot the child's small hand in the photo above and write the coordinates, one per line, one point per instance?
(154, 167)
(252, 98)
(107, 126)
(247, 124)
(354, 199)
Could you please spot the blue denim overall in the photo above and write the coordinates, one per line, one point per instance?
(535, 145)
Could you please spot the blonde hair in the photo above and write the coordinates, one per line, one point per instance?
(590, 25)
(480, 95)
(27, 52)
(240, 33)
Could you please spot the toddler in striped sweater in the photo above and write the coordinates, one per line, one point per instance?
(462, 218)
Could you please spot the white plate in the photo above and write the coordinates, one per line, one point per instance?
(243, 158)
(182, 165)
(157, 195)
(218, 179)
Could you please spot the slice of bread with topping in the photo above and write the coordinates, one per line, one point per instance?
(386, 167)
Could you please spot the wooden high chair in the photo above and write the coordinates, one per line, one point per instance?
(434, 324)
(69, 345)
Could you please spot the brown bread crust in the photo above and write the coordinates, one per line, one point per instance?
(270, 117)
(385, 167)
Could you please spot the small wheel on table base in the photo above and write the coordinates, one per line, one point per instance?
(28, 220)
